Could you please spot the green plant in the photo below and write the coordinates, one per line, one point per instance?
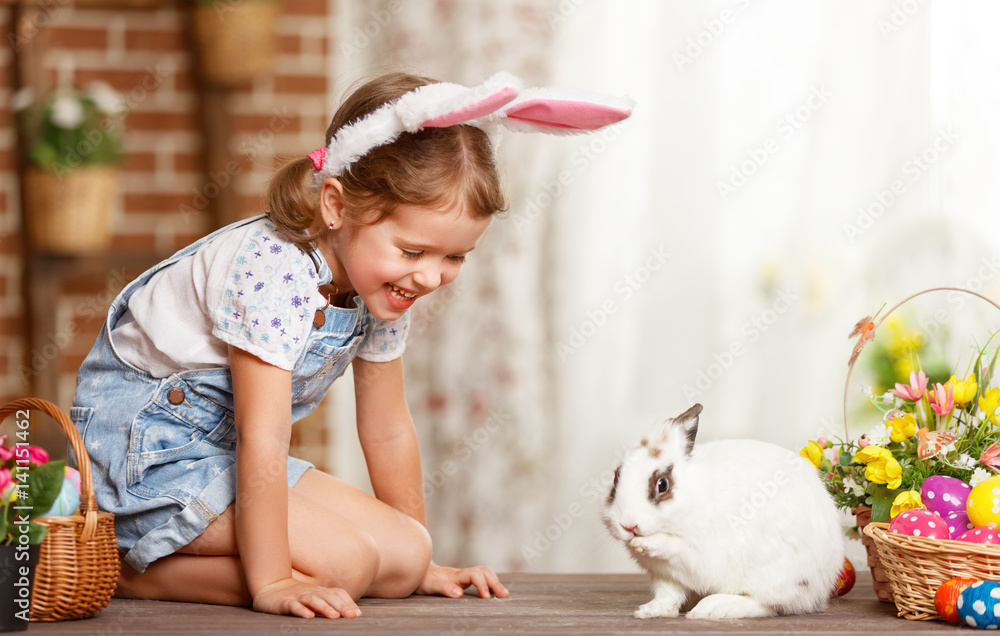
(71, 127)
(29, 485)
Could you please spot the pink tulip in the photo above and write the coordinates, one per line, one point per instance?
(5, 480)
(989, 458)
(941, 399)
(37, 455)
(918, 384)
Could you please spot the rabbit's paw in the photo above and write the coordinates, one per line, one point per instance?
(723, 606)
(658, 608)
(658, 546)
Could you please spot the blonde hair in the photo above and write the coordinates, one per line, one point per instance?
(434, 167)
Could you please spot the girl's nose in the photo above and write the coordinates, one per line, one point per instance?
(428, 277)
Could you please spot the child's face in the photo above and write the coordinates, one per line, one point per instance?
(408, 255)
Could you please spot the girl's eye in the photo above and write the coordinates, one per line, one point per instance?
(457, 258)
(412, 255)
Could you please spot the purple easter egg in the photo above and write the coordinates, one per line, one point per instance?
(943, 494)
(958, 523)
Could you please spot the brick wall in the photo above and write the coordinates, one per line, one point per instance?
(167, 190)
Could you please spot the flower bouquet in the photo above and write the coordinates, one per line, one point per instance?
(71, 142)
(948, 426)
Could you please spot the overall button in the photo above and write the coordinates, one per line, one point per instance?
(319, 319)
(175, 396)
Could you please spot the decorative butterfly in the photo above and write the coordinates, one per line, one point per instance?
(932, 443)
(864, 331)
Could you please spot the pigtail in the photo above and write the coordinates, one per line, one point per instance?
(293, 202)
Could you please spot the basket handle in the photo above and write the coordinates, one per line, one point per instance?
(88, 502)
(875, 324)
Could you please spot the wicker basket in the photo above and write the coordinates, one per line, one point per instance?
(236, 42)
(70, 215)
(78, 562)
(916, 566)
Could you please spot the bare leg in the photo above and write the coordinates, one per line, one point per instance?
(217, 580)
(339, 536)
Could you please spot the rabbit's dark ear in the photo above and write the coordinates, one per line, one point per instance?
(688, 423)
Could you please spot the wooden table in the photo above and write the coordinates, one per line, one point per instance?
(539, 604)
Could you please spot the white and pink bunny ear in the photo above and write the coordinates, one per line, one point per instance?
(560, 111)
(431, 106)
(497, 103)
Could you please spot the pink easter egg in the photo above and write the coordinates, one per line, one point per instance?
(920, 522)
(943, 494)
(958, 523)
(980, 535)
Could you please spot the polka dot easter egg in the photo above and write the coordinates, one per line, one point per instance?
(979, 605)
(920, 522)
(68, 501)
(983, 505)
(980, 535)
(946, 597)
(958, 522)
(943, 494)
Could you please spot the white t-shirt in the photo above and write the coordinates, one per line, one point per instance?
(249, 287)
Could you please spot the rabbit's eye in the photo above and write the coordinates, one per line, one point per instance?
(659, 485)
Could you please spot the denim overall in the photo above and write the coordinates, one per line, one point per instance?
(163, 449)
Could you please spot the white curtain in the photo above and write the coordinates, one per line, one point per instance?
(789, 167)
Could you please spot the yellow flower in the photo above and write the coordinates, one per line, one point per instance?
(964, 390)
(885, 470)
(813, 453)
(988, 403)
(902, 427)
(905, 501)
(870, 453)
(882, 466)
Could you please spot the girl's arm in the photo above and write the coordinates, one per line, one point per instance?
(389, 442)
(262, 395)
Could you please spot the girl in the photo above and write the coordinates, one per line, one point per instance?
(186, 401)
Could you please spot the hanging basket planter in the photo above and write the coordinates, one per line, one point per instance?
(236, 40)
(70, 215)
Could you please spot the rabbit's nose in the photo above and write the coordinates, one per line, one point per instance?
(629, 529)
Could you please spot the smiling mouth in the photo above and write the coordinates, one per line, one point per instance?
(401, 294)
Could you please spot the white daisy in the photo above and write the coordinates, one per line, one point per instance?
(67, 112)
(108, 100)
(979, 475)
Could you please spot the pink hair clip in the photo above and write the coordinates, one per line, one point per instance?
(317, 156)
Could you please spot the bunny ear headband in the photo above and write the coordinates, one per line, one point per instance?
(497, 103)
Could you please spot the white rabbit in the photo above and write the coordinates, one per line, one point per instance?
(745, 528)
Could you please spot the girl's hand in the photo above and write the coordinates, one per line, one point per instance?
(452, 581)
(289, 596)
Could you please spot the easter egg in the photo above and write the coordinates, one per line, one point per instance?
(845, 580)
(957, 522)
(920, 522)
(944, 494)
(68, 500)
(947, 595)
(983, 505)
(979, 605)
(980, 535)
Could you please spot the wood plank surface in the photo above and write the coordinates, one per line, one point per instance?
(539, 604)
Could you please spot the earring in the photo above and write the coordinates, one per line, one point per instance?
(331, 226)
